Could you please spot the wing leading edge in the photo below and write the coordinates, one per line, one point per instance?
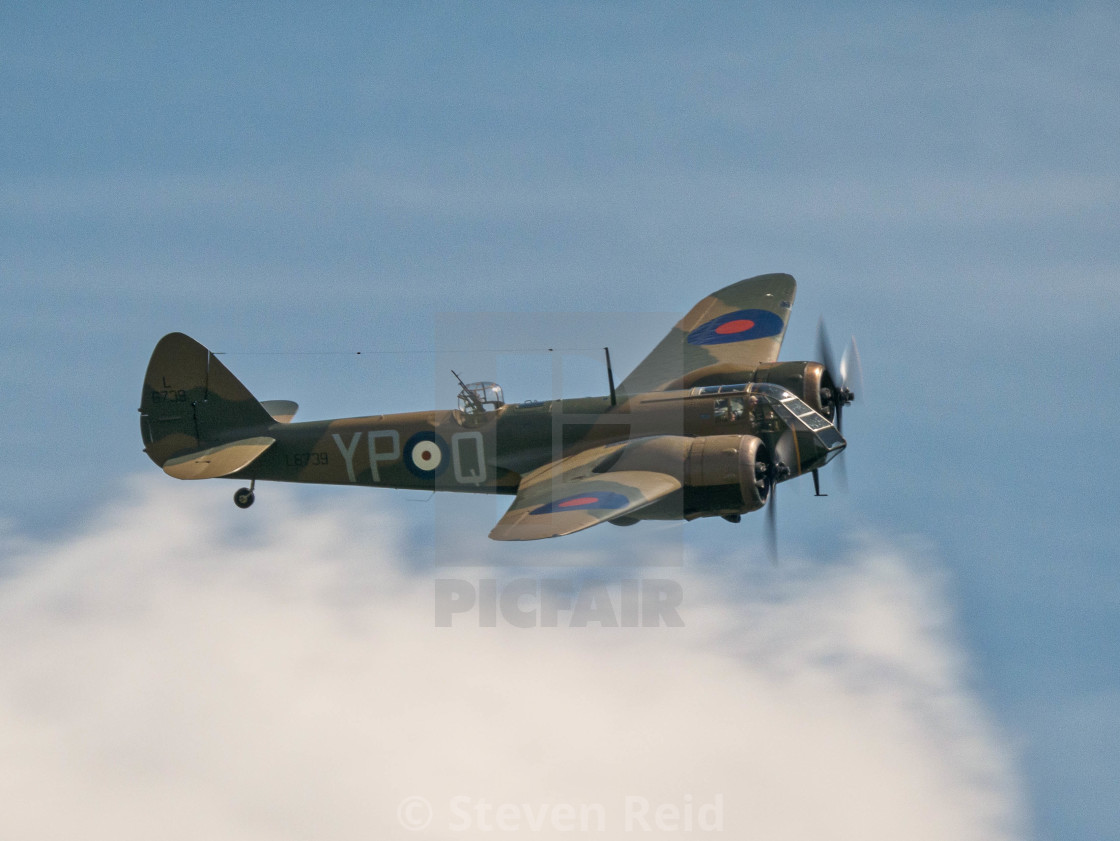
(737, 328)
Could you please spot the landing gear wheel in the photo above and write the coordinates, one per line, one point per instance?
(243, 498)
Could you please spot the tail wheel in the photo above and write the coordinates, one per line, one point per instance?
(243, 498)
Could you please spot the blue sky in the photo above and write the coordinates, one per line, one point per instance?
(943, 182)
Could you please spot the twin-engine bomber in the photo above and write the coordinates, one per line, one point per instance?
(708, 424)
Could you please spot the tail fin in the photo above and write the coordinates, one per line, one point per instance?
(191, 401)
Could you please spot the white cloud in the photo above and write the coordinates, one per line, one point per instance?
(180, 669)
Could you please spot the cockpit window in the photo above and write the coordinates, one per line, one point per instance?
(797, 406)
(729, 409)
(815, 421)
(719, 389)
(771, 390)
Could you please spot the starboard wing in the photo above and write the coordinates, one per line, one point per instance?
(567, 496)
(735, 329)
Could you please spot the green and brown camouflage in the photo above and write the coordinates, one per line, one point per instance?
(704, 426)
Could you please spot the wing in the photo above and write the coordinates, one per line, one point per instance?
(569, 496)
(733, 330)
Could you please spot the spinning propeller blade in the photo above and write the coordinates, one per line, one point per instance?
(851, 370)
(785, 454)
(848, 373)
(840, 395)
(824, 347)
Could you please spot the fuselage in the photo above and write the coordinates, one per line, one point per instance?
(490, 451)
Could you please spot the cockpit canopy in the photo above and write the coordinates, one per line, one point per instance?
(476, 398)
(734, 400)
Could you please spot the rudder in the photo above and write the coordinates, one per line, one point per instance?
(191, 401)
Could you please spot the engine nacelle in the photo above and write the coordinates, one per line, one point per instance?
(725, 474)
(808, 380)
(720, 474)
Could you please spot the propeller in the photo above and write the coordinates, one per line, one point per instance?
(849, 370)
(785, 454)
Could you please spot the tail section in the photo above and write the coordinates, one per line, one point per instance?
(192, 402)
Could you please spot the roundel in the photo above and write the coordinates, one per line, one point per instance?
(738, 326)
(426, 455)
(580, 502)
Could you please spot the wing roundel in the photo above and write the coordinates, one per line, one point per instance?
(733, 330)
(570, 495)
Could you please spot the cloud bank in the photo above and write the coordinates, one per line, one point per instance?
(182, 670)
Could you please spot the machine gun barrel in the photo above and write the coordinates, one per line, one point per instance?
(471, 397)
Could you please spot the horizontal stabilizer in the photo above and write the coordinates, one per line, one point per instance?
(282, 411)
(218, 461)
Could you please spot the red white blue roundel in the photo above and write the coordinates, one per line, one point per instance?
(738, 326)
(594, 499)
(426, 455)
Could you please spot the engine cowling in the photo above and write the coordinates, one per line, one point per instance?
(808, 380)
(721, 475)
(726, 474)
